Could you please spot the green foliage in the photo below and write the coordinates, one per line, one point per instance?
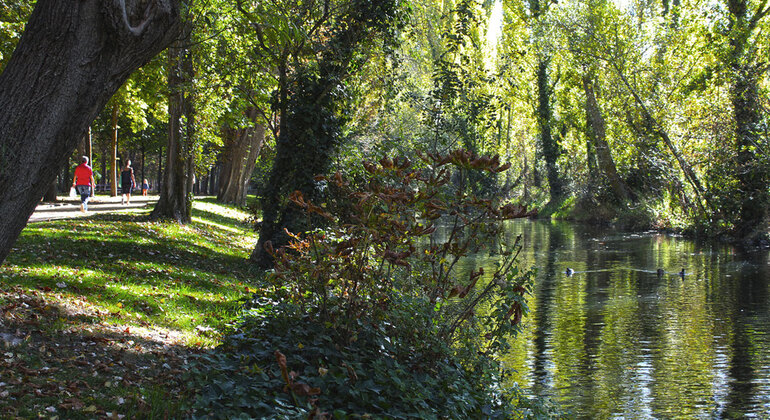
(374, 317)
(313, 104)
(13, 16)
(373, 373)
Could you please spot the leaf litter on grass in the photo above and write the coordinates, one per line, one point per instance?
(73, 347)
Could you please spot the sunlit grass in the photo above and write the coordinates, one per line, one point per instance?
(108, 307)
(133, 272)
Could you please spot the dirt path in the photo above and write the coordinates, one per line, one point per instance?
(69, 208)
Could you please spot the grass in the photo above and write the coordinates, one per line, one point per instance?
(100, 315)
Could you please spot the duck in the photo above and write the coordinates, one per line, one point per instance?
(569, 272)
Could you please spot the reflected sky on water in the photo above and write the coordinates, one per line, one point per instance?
(618, 340)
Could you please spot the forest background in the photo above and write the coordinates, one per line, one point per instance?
(646, 113)
(641, 114)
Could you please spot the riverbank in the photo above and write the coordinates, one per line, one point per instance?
(100, 315)
(646, 216)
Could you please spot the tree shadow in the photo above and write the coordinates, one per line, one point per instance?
(68, 361)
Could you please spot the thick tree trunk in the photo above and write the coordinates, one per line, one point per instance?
(175, 200)
(310, 129)
(596, 130)
(240, 157)
(73, 56)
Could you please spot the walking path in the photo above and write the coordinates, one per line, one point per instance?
(69, 208)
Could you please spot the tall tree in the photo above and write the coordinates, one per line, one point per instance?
(310, 131)
(72, 57)
(239, 157)
(596, 131)
(579, 26)
(746, 68)
(551, 149)
(175, 200)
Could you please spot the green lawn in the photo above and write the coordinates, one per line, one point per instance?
(108, 308)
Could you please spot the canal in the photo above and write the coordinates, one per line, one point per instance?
(619, 339)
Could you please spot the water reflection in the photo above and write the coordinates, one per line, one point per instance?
(616, 340)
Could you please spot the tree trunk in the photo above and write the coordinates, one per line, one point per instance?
(84, 147)
(310, 127)
(50, 194)
(89, 147)
(596, 130)
(659, 131)
(175, 202)
(240, 157)
(159, 182)
(551, 149)
(751, 173)
(114, 150)
(72, 57)
(213, 178)
(141, 182)
(65, 179)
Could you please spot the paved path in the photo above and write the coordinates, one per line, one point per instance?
(69, 208)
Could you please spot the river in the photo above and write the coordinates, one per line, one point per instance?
(617, 340)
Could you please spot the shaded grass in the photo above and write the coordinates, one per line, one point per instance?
(121, 292)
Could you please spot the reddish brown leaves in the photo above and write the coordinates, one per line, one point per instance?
(297, 198)
(379, 233)
(462, 291)
(515, 313)
(297, 388)
(466, 159)
(516, 211)
(397, 258)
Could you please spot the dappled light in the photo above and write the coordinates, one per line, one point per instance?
(384, 209)
(121, 297)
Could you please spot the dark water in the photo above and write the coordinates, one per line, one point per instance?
(615, 340)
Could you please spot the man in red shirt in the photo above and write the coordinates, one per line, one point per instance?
(83, 182)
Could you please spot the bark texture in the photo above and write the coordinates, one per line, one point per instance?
(175, 201)
(73, 56)
(242, 148)
(114, 151)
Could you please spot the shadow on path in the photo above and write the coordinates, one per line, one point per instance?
(68, 208)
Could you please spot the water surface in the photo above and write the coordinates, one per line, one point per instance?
(616, 340)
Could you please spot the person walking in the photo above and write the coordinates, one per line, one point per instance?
(127, 182)
(83, 182)
(145, 187)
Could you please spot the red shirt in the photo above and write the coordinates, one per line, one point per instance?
(83, 174)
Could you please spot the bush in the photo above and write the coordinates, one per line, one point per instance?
(282, 363)
(369, 316)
